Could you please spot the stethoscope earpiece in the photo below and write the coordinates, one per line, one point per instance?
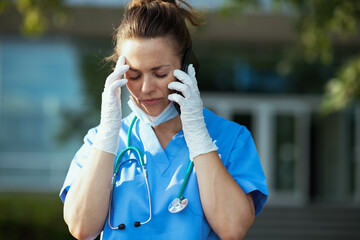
(121, 226)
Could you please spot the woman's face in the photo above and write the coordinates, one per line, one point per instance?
(152, 62)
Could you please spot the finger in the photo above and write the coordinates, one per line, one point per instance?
(192, 74)
(116, 74)
(120, 62)
(178, 86)
(175, 97)
(117, 84)
(183, 77)
(119, 71)
(191, 71)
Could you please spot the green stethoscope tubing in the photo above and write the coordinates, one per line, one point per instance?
(129, 148)
(117, 165)
(186, 180)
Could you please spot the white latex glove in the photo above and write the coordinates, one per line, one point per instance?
(107, 138)
(196, 134)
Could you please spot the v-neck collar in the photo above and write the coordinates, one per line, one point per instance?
(174, 145)
(162, 158)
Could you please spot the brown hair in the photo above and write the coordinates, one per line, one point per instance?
(155, 18)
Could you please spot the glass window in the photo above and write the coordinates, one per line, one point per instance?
(244, 119)
(285, 153)
(38, 79)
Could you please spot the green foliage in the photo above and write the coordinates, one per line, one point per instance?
(344, 88)
(233, 7)
(35, 216)
(37, 15)
(4, 5)
(321, 24)
(322, 21)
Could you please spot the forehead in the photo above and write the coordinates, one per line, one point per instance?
(148, 53)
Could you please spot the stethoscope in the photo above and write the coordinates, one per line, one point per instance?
(177, 205)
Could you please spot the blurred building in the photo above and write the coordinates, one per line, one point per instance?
(312, 162)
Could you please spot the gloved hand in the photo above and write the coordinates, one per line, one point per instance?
(107, 138)
(196, 134)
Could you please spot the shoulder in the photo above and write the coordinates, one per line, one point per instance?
(127, 120)
(230, 137)
(91, 134)
(221, 127)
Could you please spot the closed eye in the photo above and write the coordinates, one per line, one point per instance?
(133, 74)
(134, 78)
(161, 75)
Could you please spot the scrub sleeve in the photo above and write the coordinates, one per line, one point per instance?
(77, 163)
(239, 155)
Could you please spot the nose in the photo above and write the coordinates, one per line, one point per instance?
(148, 85)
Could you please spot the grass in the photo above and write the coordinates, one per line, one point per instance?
(32, 216)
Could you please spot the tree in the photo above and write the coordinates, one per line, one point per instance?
(36, 15)
(320, 25)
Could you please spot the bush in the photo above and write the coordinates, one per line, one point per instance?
(32, 216)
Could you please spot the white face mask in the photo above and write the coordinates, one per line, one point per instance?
(168, 113)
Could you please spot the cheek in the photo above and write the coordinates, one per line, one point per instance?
(170, 79)
(132, 87)
(166, 83)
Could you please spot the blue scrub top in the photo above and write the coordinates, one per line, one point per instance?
(166, 171)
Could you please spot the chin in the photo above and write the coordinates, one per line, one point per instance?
(155, 111)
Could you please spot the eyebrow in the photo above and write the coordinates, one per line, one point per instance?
(152, 69)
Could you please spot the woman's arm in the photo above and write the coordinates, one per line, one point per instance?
(87, 202)
(229, 211)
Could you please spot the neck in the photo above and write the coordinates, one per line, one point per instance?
(167, 130)
(173, 125)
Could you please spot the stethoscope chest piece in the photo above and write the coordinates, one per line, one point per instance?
(178, 205)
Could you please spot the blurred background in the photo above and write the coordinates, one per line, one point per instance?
(287, 70)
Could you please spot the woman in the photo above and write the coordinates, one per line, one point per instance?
(225, 190)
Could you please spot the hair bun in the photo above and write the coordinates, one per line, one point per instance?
(170, 1)
(136, 3)
(157, 18)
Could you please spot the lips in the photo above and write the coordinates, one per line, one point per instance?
(150, 102)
